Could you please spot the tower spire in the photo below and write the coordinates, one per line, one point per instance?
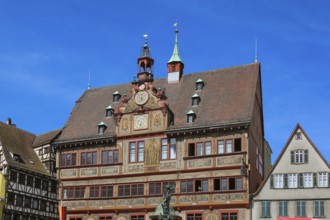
(145, 63)
(175, 65)
(89, 80)
(256, 51)
(175, 55)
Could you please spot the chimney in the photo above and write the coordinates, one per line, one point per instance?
(8, 121)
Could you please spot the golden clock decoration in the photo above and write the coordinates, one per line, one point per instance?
(141, 97)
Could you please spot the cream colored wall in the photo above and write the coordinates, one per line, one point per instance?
(315, 164)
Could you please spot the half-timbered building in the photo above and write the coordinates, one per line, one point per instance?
(201, 133)
(31, 192)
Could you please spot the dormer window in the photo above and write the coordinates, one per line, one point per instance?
(191, 116)
(116, 96)
(16, 157)
(109, 111)
(195, 99)
(199, 84)
(101, 127)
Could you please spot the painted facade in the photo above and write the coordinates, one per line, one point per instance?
(124, 143)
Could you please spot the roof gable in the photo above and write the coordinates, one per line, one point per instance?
(283, 162)
(17, 144)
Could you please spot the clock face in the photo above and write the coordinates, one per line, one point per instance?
(141, 97)
(140, 122)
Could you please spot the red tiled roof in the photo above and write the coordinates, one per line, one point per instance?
(227, 98)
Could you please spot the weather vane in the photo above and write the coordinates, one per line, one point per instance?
(145, 39)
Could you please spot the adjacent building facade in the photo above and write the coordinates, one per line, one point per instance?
(201, 133)
(298, 186)
(30, 191)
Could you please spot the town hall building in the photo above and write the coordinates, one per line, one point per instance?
(200, 133)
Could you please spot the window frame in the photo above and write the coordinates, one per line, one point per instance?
(115, 156)
(224, 183)
(68, 162)
(159, 190)
(266, 209)
(195, 216)
(229, 215)
(202, 146)
(319, 211)
(283, 208)
(322, 179)
(137, 151)
(90, 158)
(300, 208)
(166, 149)
(78, 192)
(100, 189)
(137, 216)
(127, 189)
(226, 148)
(278, 180)
(191, 186)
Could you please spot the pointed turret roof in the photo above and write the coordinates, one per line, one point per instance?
(145, 51)
(175, 55)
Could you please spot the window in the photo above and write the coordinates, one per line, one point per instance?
(226, 146)
(157, 188)
(27, 202)
(74, 192)
(191, 116)
(278, 181)
(75, 218)
(68, 159)
(106, 191)
(13, 176)
(105, 218)
(199, 149)
(110, 156)
(199, 84)
(40, 152)
(51, 207)
(228, 183)
(53, 187)
(283, 208)
(29, 181)
(35, 204)
(136, 151)
(109, 111)
(43, 205)
(101, 191)
(88, 158)
(292, 180)
(265, 209)
(200, 185)
(46, 150)
(101, 127)
(299, 156)
(168, 149)
(137, 217)
(195, 99)
(21, 178)
(130, 190)
(94, 192)
(308, 179)
(323, 180)
(298, 136)
(194, 216)
(116, 96)
(301, 209)
(319, 208)
(19, 200)
(37, 183)
(229, 216)
(44, 185)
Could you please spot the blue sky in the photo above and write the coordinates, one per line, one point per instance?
(48, 48)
